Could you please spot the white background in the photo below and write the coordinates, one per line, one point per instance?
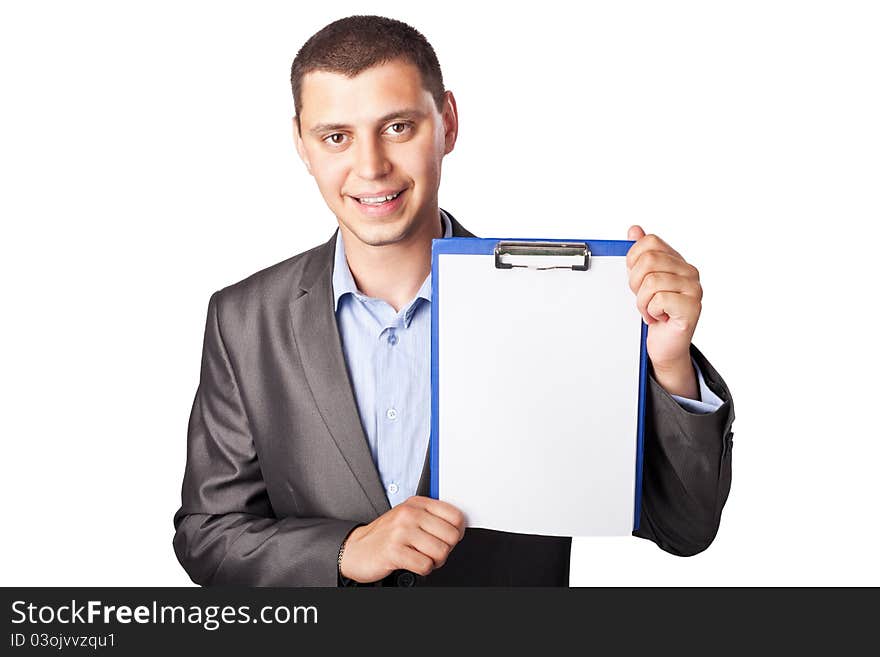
(146, 160)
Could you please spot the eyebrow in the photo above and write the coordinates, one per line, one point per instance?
(411, 114)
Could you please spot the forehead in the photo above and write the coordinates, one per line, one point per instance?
(336, 98)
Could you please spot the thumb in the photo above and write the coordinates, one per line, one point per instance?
(635, 233)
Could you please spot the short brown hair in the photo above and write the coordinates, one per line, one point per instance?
(352, 45)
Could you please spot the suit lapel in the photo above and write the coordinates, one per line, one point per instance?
(320, 350)
(457, 229)
(316, 335)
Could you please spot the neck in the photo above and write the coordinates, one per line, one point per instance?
(393, 272)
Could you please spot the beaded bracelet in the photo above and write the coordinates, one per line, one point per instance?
(339, 556)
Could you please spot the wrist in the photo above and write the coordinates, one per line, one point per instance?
(677, 377)
(341, 557)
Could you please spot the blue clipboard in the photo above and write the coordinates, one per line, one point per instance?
(488, 246)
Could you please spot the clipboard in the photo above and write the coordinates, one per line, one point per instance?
(538, 378)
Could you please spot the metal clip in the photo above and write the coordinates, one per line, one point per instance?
(573, 255)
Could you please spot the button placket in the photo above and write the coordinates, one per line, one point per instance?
(385, 430)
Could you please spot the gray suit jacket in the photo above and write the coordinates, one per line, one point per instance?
(279, 471)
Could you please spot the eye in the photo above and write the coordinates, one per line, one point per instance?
(399, 128)
(336, 139)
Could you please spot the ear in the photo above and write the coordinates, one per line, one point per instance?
(300, 146)
(450, 122)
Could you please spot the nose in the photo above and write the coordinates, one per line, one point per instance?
(372, 161)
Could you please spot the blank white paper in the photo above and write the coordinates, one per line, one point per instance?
(538, 383)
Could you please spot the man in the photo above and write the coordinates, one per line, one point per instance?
(308, 436)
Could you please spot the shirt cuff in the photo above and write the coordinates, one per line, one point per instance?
(710, 401)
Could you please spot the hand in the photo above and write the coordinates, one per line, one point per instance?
(417, 535)
(669, 296)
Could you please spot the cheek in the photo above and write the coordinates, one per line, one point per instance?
(422, 163)
(330, 174)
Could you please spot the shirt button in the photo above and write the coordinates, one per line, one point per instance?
(406, 578)
(391, 414)
(392, 339)
(392, 489)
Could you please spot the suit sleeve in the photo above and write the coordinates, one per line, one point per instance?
(687, 467)
(225, 530)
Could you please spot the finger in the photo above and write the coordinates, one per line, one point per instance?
(655, 282)
(648, 243)
(444, 510)
(659, 261)
(635, 233)
(683, 311)
(408, 558)
(430, 546)
(440, 528)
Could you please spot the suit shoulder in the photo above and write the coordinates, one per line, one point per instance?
(278, 282)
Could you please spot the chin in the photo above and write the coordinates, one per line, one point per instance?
(380, 234)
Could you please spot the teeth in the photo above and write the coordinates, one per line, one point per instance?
(375, 200)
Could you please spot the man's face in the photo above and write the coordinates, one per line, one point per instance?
(374, 136)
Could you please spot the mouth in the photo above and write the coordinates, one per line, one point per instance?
(378, 200)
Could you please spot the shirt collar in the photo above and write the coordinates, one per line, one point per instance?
(343, 281)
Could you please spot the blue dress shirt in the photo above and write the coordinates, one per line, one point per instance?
(388, 355)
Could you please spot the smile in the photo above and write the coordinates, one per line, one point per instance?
(377, 200)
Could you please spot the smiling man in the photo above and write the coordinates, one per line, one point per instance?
(308, 437)
(375, 142)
